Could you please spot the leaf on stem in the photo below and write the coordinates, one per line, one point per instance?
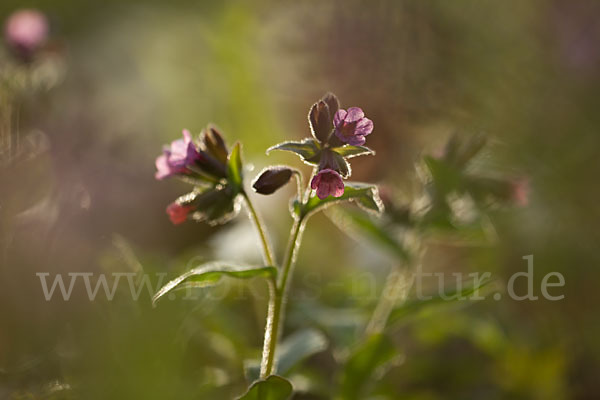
(308, 149)
(372, 355)
(365, 195)
(273, 388)
(369, 227)
(297, 347)
(349, 151)
(234, 168)
(210, 273)
(292, 351)
(416, 305)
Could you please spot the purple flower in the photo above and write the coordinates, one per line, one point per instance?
(178, 157)
(178, 213)
(26, 30)
(327, 182)
(351, 126)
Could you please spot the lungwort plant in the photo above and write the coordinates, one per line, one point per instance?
(216, 175)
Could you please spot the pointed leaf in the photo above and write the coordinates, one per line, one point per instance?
(446, 177)
(298, 347)
(349, 151)
(365, 195)
(375, 353)
(214, 206)
(416, 305)
(307, 150)
(367, 225)
(292, 351)
(210, 273)
(273, 388)
(234, 168)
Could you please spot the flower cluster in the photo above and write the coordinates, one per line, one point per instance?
(216, 173)
(206, 164)
(338, 135)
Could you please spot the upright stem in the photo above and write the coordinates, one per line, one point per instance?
(277, 302)
(267, 252)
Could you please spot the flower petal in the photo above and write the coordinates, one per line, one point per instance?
(364, 127)
(354, 114)
(162, 167)
(339, 117)
(187, 136)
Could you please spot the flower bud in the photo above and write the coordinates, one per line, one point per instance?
(178, 213)
(271, 179)
(321, 122)
(214, 144)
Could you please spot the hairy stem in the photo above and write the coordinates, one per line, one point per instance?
(277, 302)
(267, 252)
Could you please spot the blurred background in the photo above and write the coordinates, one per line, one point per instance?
(120, 79)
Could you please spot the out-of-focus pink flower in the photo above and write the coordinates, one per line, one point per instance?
(178, 213)
(177, 157)
(327, 182)
(520, 192)
(26, 30)
(352, 126)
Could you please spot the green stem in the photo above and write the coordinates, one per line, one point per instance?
(267, 252)
(393, 293)
(278, 299)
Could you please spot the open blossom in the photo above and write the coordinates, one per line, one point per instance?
(327, 182)
(26, 30)
(352, 126)
(177, 157)
(178, 213)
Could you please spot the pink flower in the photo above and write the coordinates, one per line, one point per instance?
(352, 126)
(177, 157)
(327, 182)
(520, 192)
(26, 30)
(178, 213)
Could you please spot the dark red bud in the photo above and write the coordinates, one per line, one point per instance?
(271, 179)
(321, 121)
(214, 143)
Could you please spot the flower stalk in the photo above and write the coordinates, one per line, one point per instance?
(267, 252)
(278, 299)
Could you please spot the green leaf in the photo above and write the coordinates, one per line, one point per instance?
(373, 229)
(308, 149)
(293, 350)
(365, 195)
(349, 151)
(215, 206)
(234, 168)
(273, 388)
(416, 305)
(297, 347)
(469, 149)
(210, 273)
(446, 178)
(375, 353)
